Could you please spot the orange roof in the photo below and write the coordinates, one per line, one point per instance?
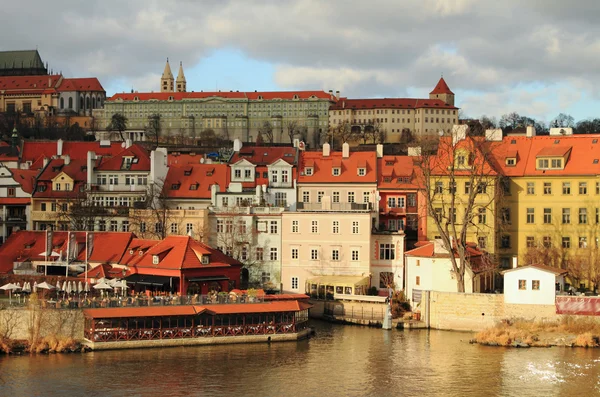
(322, 169)
(393, 171)
(582, 150)
(478, 150)
(76, 169)
(390, 103)
(148, 311)
(441, 88)
(115, 163)
(15, 200)
(199, 177)
(32, 84)
(35, 151)
(25, 178)
(80, 84)
(179, 96)
(426, 250)
(262, 155)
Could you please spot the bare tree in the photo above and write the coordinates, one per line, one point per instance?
(342, 133)
(80, 212)
(154, 129)
(461, 195)
(292, 128)
(266, 131)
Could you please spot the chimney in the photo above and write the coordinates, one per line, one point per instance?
(67, 159)
(237, 145)
(514, 262)
(331, 94)
(326, 149)
(214, 189)
(127, 143)
(50, 81)
(59, 147)
(459, 133)
(414, 151)
(90, 167)
(530, 131)
(345, 150)
(258, 194)
(493, 134)
(337, 95)
(296, 142)
(45, 162)
(561, 131)
(379, 150)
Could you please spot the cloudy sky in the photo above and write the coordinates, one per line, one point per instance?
(535, 57)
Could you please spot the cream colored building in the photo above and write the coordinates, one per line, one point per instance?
(395, 116)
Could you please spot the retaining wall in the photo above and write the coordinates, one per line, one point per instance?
(16, 323)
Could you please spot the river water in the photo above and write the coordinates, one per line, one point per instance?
(338, 361)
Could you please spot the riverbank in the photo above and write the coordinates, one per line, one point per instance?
(567, 332)
(47, 345)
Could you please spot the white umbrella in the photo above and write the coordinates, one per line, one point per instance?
(86, 287)
(45, 285)
(102, 286)
(101, 280)
(35, 286)
(10, 287)
(68, 287)
(27, 287)
(58, 287)
(65, 285)
(80, 287)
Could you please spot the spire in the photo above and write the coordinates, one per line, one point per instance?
(167, 72)
(441, 87)
(180, 83)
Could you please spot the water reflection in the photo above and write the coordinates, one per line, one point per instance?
(351, 361)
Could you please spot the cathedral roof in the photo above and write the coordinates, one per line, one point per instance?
(167, 72)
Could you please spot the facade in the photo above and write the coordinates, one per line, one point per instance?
(16, 187)
(231, 115)
(398, 116)
(533, 284)
(317, 245)
(387, 259)
(429, 268)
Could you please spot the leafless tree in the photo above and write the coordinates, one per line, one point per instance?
(461, 193)
(342, 133)
(153, 129)
(266, 131)
(292, 128)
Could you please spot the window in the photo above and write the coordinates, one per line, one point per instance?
(189, 228)
(294, 253)
(547, 215)
(530, 215)
(219, 226)
(314, 254)
(439, 187)
(547, 187)
(43, 206)
(335, 227)
(505, 241)
(366, 197)
(482, 242)
(284, 176)
(566, 215)
(336, 197)
(273, 253)
(248, 174)
(597, 187)
(113, 179)
(125, 226)
(102, 226)
(174, 228)
(597, 216)
(308, 171)
(438, 214)
(265, 277)
(355, 227)
(467, 187)
(387, 251)
(237, 174)
(543, 163)
(566, 187)
(411, 200)
(57, 187)
(294, 283)
(101, 179)
(511, 161)
(273, 227)
(482, 216)
(142, 227)
(583, 219)
(354, 255)
(566, 242)
(114, 226)
(142, 180)
(582, 242)
(335, 255)
(452, 187)
(11, 192)
(336, 171)
(362, 172)
(530, 188)
(306, 197)
(129, 180)
(295, 226)
(350, 197)
(320, 196)
(535, 285)
(582, 187)
(482, 188)
(155, 259)
(391, 202)
(452, 215)
(522, 284)
(259, 253)
(530, 241)
(314, 227)
(417, 280)
(547, 241)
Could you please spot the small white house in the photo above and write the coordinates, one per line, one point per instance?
(533, 284)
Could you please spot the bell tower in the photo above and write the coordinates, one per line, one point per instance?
(167, 82)
(180, 79)
(443, 92)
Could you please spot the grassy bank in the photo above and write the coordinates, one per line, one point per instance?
(47, 345)
(570, 331)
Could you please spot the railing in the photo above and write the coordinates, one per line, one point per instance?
(334, 206)
(338, 310)
(249, 210)
(393, 210)
(44, 215)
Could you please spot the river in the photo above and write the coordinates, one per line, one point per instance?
(338, 361)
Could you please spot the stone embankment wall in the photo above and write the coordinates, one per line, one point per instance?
(349, 309)
(17, 323)
(475, 312)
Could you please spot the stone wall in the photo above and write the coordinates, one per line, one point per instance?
(16, 323)
(474, 312)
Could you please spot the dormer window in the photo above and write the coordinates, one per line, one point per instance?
(511, 161)
(237, 174)
(260, 97)
(389, 163)
(187, 172)
(362, 172)
(175, 186)
(308, 171)
(205, 260)
(545, 164)
(387, 178)
(460, 160)
(57, 187)
(336, 171)
(155, 259)
(194, 186)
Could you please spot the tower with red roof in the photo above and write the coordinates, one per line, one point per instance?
(443, 92)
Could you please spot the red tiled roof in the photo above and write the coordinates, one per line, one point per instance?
(426, 250)
(201, 175)
(441, 88)
(76, 169)
(25, 178)
(178, 96)
(479, 151)
(115, 163)
(545, 268)
(80, 84)
(33, 84)
(402, 167)
(263, 155)
(322, 170)
(15, 200)
(35, 151)
(150, 311)
(553, 151)
(390, 103)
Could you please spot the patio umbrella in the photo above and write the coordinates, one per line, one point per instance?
(68, 288)
(58, 287)
(86, 287)
(45, 285)
(35, 286)
(10, 287)
(27, 287)
(102, 286)
(80, 287)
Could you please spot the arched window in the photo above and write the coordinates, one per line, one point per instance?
(62, 103)
(81, 103)
(87, 102)
(93, 102)
(70, 103)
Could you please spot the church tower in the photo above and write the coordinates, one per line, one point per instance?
(167, 82)
(180, 79)
(442, 91)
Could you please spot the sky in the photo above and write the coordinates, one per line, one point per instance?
(534, 57)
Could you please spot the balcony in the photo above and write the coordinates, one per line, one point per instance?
(249, 210)
(44, 215)
(334, 206)
(392, 210)
(118, 188)
(13, 218)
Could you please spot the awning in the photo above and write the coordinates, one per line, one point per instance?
(339, 280)
(211, 278)
(145, 279)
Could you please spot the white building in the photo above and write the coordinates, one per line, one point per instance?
(387, 259)
(533, 284)
(15, 200)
